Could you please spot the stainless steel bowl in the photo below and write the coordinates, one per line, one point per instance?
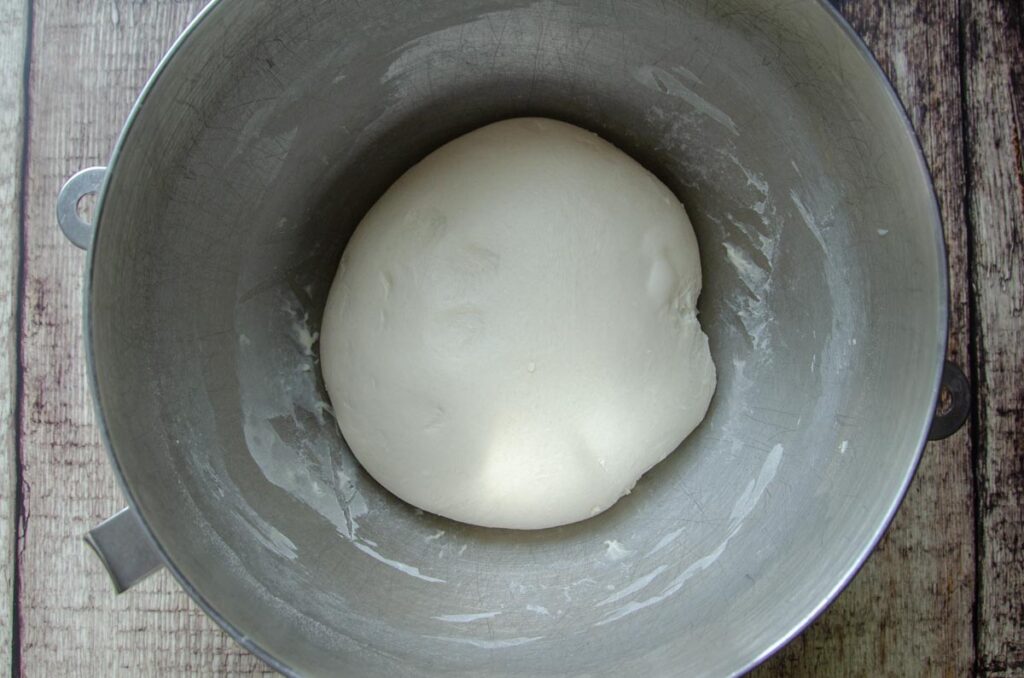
(254, 152)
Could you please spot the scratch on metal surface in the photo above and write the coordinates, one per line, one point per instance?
(489, 644)
(637, 585)
(744, 505)
(401, 567)
(466, 618)
(668, 84)
(811, 222)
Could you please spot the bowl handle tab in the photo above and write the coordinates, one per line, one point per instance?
(954, 403)
(124, 548)
(87, 182)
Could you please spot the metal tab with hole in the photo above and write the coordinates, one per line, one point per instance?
(954, 403)
(87, 182)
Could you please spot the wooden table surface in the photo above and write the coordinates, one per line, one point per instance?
(942, 595)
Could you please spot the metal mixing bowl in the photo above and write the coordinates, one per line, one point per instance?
(254, 152)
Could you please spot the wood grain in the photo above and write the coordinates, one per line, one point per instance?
(12, 62)
(993, 39)
(88, 64)
(908, 612)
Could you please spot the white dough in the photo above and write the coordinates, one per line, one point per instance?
(511, 339)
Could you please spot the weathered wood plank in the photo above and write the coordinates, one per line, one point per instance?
(88, 63)
(909, 610)
(13, 25)
(993, 39)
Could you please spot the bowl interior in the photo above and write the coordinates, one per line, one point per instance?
(254, 156)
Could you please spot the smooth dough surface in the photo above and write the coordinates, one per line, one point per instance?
(511, 339)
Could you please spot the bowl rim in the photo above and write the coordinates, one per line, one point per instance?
(749, 664)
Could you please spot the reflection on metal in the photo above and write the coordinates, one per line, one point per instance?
(125, 550)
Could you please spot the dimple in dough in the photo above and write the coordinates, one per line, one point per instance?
(511, 339)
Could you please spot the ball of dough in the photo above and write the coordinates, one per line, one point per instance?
(511, 339)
